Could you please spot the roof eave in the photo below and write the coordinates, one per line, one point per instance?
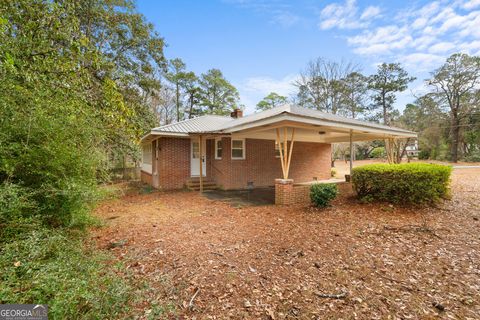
(163, 134)
(286, 116)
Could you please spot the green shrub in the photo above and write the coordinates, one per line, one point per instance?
(424, 154)
(378, 152)
(413, 183)
(322, 193)
(54, 267)
(473, 157)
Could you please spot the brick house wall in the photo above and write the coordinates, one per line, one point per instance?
(260, 166)
(146, 177)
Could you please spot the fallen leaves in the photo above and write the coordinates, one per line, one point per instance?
(351, 260)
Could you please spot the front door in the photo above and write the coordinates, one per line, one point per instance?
(195, 158)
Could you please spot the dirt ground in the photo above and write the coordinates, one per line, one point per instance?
(208, 260)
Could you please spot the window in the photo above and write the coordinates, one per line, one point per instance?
(147, 157)
(195, 150)
(277, 149)
(147, 153)
(238, 149)
(218, 148)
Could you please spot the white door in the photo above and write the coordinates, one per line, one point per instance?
(194, 158)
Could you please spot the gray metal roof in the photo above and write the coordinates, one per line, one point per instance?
(207, 123)
(219, 124)
(305, 112)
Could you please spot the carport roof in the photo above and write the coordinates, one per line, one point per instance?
(213, 124)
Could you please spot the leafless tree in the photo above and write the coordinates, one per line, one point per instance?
(321, 84)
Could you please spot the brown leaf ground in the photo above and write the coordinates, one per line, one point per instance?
(275, 263)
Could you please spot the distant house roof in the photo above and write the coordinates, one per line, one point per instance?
(286, 113)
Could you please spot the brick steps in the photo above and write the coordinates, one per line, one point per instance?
(194, 184)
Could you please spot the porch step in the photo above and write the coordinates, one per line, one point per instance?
(194, 184)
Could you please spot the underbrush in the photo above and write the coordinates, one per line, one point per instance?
(54, 267)
(45, 263)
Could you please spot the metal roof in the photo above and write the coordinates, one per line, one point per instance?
(305, 112)
(221, 124)
(207, 123)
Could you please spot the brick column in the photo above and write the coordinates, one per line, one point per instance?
(284, 192)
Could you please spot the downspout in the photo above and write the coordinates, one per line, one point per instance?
(351, 152)
(200, 162)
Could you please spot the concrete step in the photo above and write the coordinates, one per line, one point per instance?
(197, 183)
(205, 188)
(194, 184)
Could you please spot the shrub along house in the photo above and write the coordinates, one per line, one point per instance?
(278, 147)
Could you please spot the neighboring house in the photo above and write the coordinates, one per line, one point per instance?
(236, 152)
(411, 149)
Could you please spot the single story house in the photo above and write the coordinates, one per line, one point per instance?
(287, 142)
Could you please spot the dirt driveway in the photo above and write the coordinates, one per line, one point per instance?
(208, 260)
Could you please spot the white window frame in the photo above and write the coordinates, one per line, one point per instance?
(147, 166)
(216, 148)
(277, 148)
(243, 148)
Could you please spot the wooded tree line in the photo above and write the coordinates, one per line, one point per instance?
(447, 118)
(185, 95)
(82, 81)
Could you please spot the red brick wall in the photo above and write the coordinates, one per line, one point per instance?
(173, 162)
(260, 166)
(146, 177)
(286, 194)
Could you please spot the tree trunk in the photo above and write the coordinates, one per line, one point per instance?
(191, 106)
(385, 115)
(455, 136)
(178, 101)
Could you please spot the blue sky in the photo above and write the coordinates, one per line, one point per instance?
(261, 46)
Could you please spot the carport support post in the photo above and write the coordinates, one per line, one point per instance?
(351, 152)
(200, 162)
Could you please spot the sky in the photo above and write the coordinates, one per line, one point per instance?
(261, 46)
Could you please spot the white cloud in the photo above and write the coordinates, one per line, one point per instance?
(472, 4)
(441, 47)
(345, 16)
(422, 42)
(383, 40)
(265, 85)
(340, 16)
(422, 37)
(421, 61)
(253, 89)
(370, 12)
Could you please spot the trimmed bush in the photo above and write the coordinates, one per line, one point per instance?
(322, 193)
(413, 183)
